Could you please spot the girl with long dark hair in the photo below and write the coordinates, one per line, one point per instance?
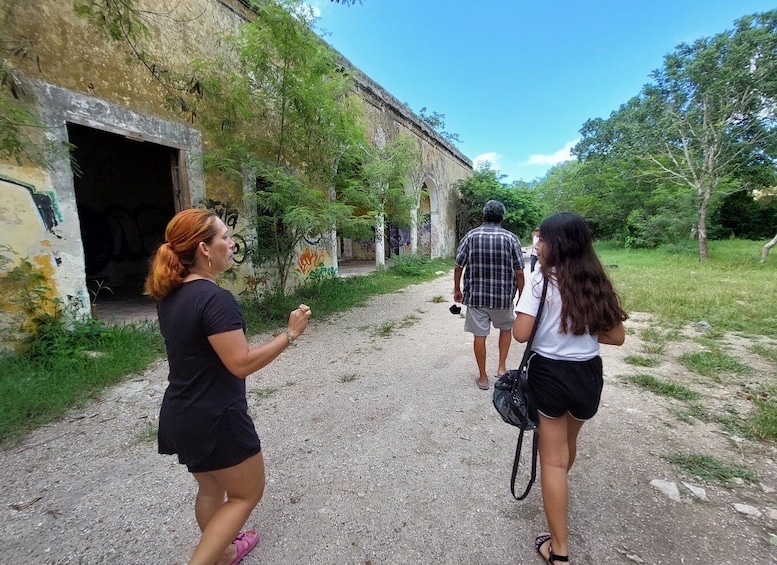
(581, 311)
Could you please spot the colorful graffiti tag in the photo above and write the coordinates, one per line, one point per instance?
(309, 260)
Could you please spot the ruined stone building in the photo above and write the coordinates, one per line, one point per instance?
(92, 216)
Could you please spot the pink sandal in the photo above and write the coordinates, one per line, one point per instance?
(245, 542)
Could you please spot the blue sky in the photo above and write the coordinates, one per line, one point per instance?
(516, 79)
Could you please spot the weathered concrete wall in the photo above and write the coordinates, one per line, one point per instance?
(75, 77)
(441, 163)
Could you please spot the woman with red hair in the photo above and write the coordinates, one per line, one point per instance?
(204, 415)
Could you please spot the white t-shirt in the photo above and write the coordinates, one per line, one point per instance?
(549, 341)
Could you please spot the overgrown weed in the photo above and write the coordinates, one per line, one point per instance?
(67, 362)
(672, 390)
(711, 469)
(714, 364)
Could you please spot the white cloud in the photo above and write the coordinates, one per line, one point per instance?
(315, 9)
(558, 157)
(484, 158)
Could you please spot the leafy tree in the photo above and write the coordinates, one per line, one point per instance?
(709, 111)
(742, 215)
(380, 185)
(618, 202)
(276, 105)
(280, 103)
(437, 121)
(523, 208)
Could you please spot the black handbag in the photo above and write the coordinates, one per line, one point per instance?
(513, 402)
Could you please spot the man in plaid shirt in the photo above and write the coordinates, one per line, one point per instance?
(492, 262)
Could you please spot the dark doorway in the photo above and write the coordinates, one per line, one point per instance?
(125, 197)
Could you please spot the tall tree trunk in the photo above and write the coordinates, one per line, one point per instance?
(767, 247)
(704, 252)
(705, 189)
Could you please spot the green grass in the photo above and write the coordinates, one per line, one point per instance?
(67, 367)
(262, 393)
(711, 469)
(652, 335)
(349, 378)
(388, 328)
(147, 434)
(732, 290)
(653, 348)
(768, 353)
(385, 329)
(641, 361)
(690, 412)
(714, 364)
(673, 390)
(762, 423)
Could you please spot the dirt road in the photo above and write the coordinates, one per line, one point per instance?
(380, 449)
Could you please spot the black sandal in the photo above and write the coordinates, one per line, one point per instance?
(539, 541)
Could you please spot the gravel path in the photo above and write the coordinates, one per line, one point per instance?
(379, 450)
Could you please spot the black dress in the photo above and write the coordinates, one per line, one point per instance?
(204, 416)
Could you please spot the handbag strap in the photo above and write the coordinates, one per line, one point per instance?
(527, 351)
(535, 439)
(516, 461)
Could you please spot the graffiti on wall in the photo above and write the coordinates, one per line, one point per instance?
(28, 290)
(314, 256)
(367, 246)
(425, 234)
(44, 203)
(309, 260)
(399, 237)
(447, 242)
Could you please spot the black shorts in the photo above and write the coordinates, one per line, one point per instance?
(229, 451)
(205, 440)
(558, 387)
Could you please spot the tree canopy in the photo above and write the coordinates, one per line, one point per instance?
(701, 130)
(437, 121)
(523, 210)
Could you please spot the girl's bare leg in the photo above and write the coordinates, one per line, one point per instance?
(557, 450)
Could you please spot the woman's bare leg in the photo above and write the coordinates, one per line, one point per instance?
(244, 486)
(557, 450)
(210, 498)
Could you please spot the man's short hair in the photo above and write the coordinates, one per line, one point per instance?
(493, 211)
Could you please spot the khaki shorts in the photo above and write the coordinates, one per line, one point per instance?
(478, 321)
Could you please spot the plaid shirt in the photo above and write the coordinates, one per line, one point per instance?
(490, 255)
